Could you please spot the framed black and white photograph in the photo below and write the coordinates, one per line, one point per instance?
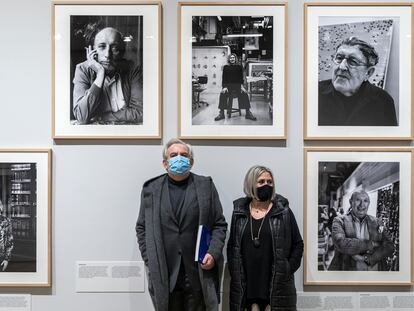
(358, 213)
(358, 71)
(106, 70)
(232, 70)
(25, 218)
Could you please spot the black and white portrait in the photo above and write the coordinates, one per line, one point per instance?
(107, 75)
(358, 216)
(18, 206)
(232, 70)
(106, 55)
(358, 71)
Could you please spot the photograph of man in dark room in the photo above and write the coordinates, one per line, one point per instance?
(18, 214)
(232, 70)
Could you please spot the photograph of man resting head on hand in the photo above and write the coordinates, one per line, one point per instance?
(107, 81)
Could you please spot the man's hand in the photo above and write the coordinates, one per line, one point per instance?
(224, 90)
(4, 265)
(91, 56)
(208, 262)
(376, 244)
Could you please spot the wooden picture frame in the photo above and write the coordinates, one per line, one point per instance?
(26, 217)
(372, 99)
(346, 186)
(102, 93)
(256, 34)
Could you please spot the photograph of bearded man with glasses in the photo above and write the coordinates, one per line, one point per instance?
(348, 98)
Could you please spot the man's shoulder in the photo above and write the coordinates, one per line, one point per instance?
(344, 218)
(325, 86)
(373, 219)
(83, 65)
(82, 70)
(377, 93)
(153, 181)
(324, 82)
(201, 178)
(128, 65)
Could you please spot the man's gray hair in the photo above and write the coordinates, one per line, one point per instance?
(366, 49)
(352, 198)
(250, 180)
(356, 193)
(177, 141)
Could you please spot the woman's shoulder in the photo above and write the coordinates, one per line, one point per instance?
(281, 201)
(241, 203)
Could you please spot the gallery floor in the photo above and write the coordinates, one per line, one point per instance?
(204, 114)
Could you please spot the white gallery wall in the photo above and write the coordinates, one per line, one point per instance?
(96, 184)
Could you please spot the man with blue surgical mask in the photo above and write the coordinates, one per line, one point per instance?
(173, 206)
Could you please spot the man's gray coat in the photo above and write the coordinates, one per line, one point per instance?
(152, 247)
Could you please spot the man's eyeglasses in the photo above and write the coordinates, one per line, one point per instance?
(351, 61)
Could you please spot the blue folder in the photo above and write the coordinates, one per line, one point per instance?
(203, 243)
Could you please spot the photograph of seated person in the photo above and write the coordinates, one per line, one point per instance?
(361, 241)
(232, 70)
(232, 83)
(348, 98)
(107, 88)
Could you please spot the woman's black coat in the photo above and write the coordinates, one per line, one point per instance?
(287, 253)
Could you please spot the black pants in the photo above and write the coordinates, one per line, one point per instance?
(243, 97)
(185, 297)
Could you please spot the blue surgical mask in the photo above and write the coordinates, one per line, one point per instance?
(179, 165)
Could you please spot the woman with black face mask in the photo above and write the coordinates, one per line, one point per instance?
(265, 247)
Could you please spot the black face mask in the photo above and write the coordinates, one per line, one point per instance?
(264, 193)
